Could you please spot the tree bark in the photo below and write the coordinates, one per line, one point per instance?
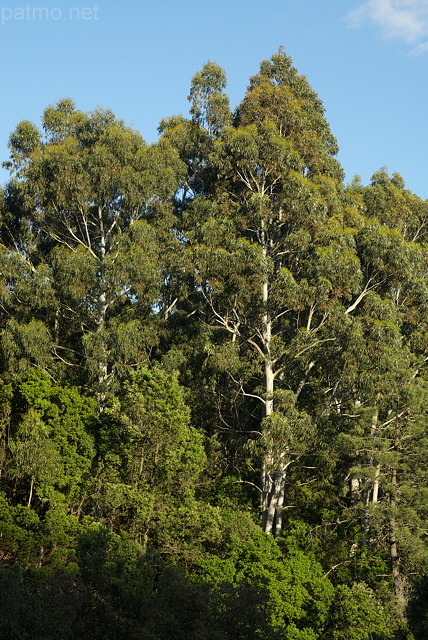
(398, 579)
(375, 493)
(280, 510)
(102, 306)
(30, 496)
(270, 478)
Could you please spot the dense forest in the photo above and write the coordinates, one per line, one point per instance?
(213, 372)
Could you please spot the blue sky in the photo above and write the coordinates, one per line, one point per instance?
(367, 60)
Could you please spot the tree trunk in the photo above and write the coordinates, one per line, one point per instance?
(399, 581)
(101, 312)
(275, 501)
(376, 485)
(355, 488)
(371, 489)
(30, 496)
(279, 510)
(270, 488)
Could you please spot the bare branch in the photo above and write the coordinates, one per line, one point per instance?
(363, 294)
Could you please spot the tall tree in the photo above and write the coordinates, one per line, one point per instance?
(252, 239)
(94, 198)
(383, 386)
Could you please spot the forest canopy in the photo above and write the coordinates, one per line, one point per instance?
(213, 363)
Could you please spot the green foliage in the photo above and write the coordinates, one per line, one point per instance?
(286, 589)
(197, 333)
(358, 615)
(20, 527)
(157, 420)
(153, 461)
(51, 449)
(281, 95)
(26, 345)
(210, 106)
(92, 200)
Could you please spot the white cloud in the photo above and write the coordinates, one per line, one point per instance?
(420, 48)
(405, 20)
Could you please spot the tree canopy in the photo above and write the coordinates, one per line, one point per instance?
(213, 377)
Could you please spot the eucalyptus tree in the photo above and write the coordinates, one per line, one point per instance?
(194, 137)
(271, 257)
(95, 200)
(290, 266)
(381, 393)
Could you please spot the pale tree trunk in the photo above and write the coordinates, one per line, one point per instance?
(268, 476)
(370, 489)
(273, 478)
(273, 499)
(102, 298)
(399, 581)
(280, 510)
(102, 312)
(102, 365)
(102, 306)
(30, 496)
(355, 481)
(376, 485)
